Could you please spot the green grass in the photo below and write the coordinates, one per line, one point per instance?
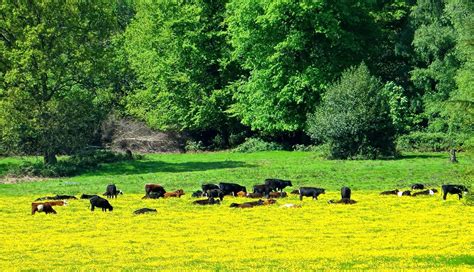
(189, 171)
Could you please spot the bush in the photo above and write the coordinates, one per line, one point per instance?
(255, 145)
(194, 146)
(71, 166)
(354, 118)
(433, 141)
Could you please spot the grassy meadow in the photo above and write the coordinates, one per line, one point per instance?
(379, 232)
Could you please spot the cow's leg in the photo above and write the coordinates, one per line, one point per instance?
(92, 208)
(460, 195)
(445, 193)
(301, 197)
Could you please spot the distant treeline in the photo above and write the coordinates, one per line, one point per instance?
(353, 75)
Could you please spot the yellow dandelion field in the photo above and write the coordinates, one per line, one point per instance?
(379, 232)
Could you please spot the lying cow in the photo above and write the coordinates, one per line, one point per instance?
(277, 184)
(404, 193)
(111, 191)
(177, 193)
(154, 191)
(418, 186)
(342, 201)
(56, 197)
(206, 187)
(426, 192)
(100, 202)
(295, 192)
(84, 196)
(311, 192)
(254, 195)
(392, 192)
(145, 210)
(454, 190)
(252, 204)
(215, 193)
(231, 188)
(209, 201)
(241, 194)
(262, 189)
(277, 195)
(198, 193)
(44, 206)
(290, 205)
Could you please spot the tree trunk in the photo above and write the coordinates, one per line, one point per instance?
(453, 156)
(50, 158)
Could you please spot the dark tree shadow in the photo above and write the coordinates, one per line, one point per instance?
(146, 167)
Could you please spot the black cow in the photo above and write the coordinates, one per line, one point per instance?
(311, 191)
(426, 192)
(209, 201)
(145, 210)
(111, 191)
(154, 191)
(392, 192)
(198, 193)
(262, 189)
(342, 201)
(418, 186)
(278, 184)
(231, 188)
(206, 187)
(84, 196)
(454, 190)
(100, 202)
(295, 192)
(215, 193)
(404, 193)
(345, 193)
(56, 197)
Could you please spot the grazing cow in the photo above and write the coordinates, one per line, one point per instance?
(418, 186)
(84, 196)
(111, 191)
(177, 193)
(206, 187)
(231, 188)
(277, 184)
(454, 190)
(295, 192)
(241, 194)
(254, 195)
(145, 210)
(42, 207)
(198, 193)
(209, 201)
(425, 192)
(290, 205)
(262, 189)
(277, 194)
(345, 193)
(56, 197)
(215, 193)
(154, 191)
(311, 192)
(100, 202)
(343, 201)
(393, 192)
(404, 193)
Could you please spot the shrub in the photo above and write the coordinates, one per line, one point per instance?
(433, 141)
(194, 146)
(354, 118)
(255, 145)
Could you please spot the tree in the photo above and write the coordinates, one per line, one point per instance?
(291, 50)
(354, 117)
(53, 65)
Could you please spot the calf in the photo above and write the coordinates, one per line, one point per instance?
(277, 184)
(290, 205)
(56, 197)
(241, 194)
(454, 190)
(84, 196)
(177, 193)
(154, 191)
(425, 192)
(345, 193)
(343, 201)
(254, 195)
(393, 192)
(404, 193)
(418, 186)
(42, 207)
(262, 189)
(111, 191)
(145, 210)
(231, 188)
(311, 192)
(209, 201)
(198, 193)
(215, 193)
(277, 194)
(100, 202)
(206, 187)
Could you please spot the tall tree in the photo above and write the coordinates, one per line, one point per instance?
(53, 65)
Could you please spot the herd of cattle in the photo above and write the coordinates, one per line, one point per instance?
(214, 194)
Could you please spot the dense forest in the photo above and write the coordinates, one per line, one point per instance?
(358, 77)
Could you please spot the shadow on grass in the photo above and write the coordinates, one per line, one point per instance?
(424, 156)
(146, 167)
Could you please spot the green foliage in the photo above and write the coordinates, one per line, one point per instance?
(68, 167)
(431, 141)
(291, 50)
(354, 117)
(255, 145)
(53, 84)
(194, 146)
(400, 111)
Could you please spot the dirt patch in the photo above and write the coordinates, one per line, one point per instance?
(15, 180)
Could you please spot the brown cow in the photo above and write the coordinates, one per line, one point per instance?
(177, 193)
(342, 201)
(277, 194)
(241, 194)
(154, 191)
(46, 207)
(254, 195)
